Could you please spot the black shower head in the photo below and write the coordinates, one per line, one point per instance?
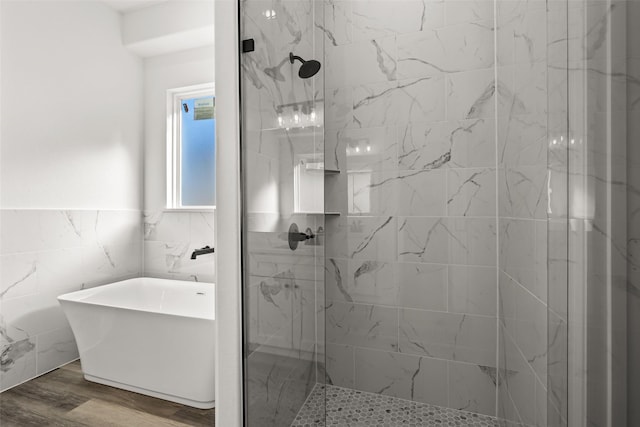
(308, 69)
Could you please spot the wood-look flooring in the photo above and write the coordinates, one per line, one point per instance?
(64, 398)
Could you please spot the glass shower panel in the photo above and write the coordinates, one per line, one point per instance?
(558, 150)
(602, 207)
(282, 147)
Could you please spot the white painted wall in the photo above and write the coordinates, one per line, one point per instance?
(228, 215)
(169, 27)
(71, 127)
(164, 72)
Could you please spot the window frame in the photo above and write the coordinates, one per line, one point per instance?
(175, 97)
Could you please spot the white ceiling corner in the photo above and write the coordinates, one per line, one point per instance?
(130, 5)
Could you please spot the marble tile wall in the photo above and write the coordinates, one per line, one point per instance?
(411, 261)
(169, 239)
(523, 146)
(46, 253)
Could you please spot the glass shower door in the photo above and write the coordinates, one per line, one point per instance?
(594, 301)
(282, 147)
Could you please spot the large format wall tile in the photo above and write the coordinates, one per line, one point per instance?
(422, 286)
(524, 187)
(394, 374)
(468, 11)
(423, 240)
(366, 149)
(410, 119)
(450, 336)
(337, 19)
(424, 146)
(472, 388)
(472, 241)
(46, 253)
(19, 275)
(55, 348)
(340, 365)
(471, 192)
(522, 192)
(20, 231)
(472, 290)
(402, 101)
(524, 318)
(363, 62)
(372, 193)
(362, 325)
(457, 143)
(455, 48)
(517, 381)
(372, 282)
(372, 238)
(405, 193)
(277, 387)
(470, 94)
(169, 240)
(419, 193)
(439, 92)
(373, 18)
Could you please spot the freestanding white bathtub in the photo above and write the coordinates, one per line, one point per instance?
(151, 336)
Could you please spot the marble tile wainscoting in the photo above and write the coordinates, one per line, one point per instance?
(169, 239)
(43, 254)
(411, 262)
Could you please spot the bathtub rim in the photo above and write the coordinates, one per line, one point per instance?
(72, 297)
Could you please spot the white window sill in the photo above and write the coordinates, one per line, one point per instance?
(194, 209)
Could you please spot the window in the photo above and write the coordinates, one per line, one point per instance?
(191, 148)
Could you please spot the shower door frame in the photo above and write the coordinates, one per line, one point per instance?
(596, 373)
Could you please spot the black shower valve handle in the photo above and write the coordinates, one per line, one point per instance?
(301, 237)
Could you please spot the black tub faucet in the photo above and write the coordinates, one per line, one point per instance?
(205, 250)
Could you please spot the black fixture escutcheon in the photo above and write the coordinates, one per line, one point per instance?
(295, 236)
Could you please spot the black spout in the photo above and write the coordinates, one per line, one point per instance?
(205, 250)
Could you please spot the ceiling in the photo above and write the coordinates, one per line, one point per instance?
(129, 5)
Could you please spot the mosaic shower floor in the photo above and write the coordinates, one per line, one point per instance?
(346, 407)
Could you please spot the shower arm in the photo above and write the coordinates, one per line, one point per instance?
(292, 58)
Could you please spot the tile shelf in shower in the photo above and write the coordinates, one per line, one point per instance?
(320, 213)
(332, 171)
(307, 130)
